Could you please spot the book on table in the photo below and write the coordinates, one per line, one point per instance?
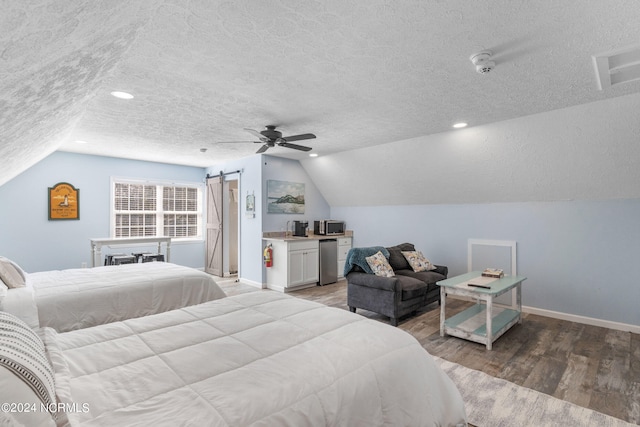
(483, 282)
(478, 285)
(497, 273)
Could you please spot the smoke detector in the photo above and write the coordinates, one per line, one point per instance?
(482, 61)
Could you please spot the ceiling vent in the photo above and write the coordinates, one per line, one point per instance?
(616, 67)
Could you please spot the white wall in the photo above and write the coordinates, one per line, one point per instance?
(588, 152)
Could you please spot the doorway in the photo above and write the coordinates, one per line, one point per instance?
(231, 228)
(223, 225)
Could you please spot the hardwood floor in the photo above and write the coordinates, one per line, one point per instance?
(590, 366)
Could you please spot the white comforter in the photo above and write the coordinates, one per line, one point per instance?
(261, 359)
(78, 298)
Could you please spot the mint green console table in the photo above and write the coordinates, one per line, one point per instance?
(481, 323)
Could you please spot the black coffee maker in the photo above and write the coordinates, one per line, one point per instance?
(300, 228)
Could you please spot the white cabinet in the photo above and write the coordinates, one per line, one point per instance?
(344, 244)
(303, 265)
(296, 262)
(295, 265)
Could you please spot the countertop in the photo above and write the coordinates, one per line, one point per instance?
(287, 237)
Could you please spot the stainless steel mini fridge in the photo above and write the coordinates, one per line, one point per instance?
(328, 261)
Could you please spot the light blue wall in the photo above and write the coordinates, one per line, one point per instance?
(579, 257)
(316, 207)
(37, 244)
(256, 170)
(249, 181)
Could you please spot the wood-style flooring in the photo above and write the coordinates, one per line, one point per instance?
(590, 366)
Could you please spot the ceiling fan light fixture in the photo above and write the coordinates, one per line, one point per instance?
(313, 155)
(271, 137)
(460, 125)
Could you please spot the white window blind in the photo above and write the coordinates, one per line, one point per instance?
(180, 211)
(156, 209)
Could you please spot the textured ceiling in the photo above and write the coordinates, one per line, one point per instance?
(355, 73)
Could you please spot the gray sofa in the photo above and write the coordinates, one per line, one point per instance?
(397, 296)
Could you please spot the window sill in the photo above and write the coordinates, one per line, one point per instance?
(174, 241)
(186, 241)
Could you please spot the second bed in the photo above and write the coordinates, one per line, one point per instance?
(79, 298)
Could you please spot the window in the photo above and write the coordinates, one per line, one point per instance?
(180, 211)
(156, 209)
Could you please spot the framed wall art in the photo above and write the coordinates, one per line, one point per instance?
(64, 201)
(285, 197)
(250, 206)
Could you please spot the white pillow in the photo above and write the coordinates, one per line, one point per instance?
(19, 269)
(16, 266)
(11, 276)
(3, 293)
(26, 376)
(13, 390)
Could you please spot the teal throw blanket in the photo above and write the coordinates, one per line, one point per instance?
(357, 256)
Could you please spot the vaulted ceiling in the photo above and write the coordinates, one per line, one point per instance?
(355, 73)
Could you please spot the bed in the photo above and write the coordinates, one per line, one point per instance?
(256, 359)
(79, 298)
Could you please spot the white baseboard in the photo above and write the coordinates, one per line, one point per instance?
(275, 288)
(570, 317)
(252, 283)
(583, 319)
(289, 289)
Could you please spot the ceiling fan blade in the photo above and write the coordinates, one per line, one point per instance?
(262, 149)
(237, 142)
(257, 134)
(299, 137)
(294, 146)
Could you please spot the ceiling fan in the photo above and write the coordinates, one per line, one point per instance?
(270, 137)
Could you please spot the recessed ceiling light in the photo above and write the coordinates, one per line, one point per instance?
(313, 155)
(122, 95)
(460, 125)
(81, 142)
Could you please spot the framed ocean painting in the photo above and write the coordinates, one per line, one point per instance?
(285, 197)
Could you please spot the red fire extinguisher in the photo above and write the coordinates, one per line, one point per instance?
(268, 255)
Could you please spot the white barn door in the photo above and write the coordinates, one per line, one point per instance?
(214, 264)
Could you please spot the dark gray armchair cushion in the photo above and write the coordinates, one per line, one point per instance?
(430, 277)
(373, 281)
(411, 287)
(427, 278)
(396, 259)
